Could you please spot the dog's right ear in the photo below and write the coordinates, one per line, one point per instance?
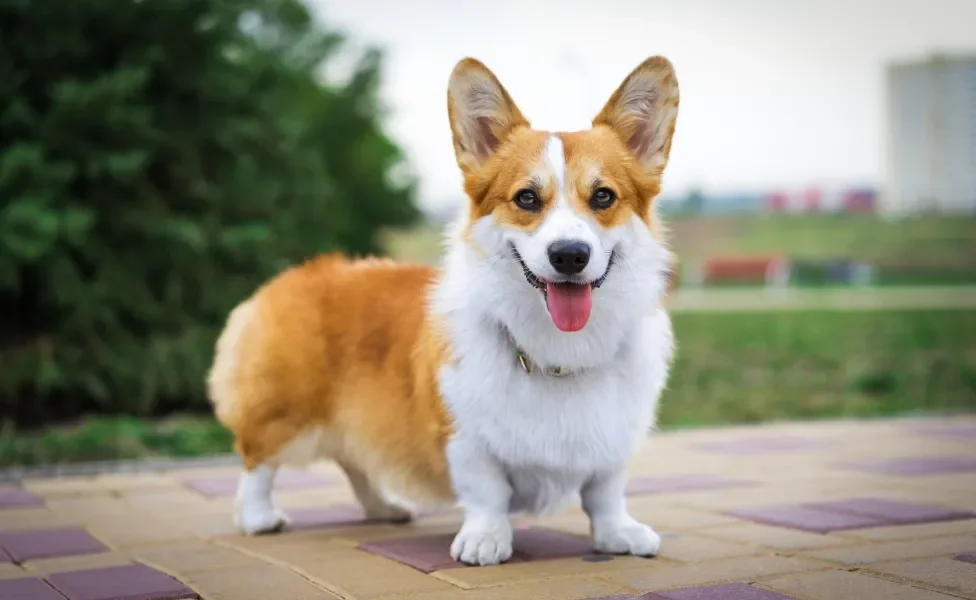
(482, 113)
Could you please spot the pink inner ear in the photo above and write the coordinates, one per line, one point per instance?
(484, 137)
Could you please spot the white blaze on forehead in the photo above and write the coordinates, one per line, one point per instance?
(556, 161)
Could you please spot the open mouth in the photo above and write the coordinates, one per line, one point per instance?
(569, 302)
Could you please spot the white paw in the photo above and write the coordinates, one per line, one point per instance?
(388, 513)
(630, 538)
(483, 544)
(253, 521)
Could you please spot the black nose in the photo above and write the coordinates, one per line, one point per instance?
(569, 257)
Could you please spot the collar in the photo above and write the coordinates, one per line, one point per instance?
(528, 365)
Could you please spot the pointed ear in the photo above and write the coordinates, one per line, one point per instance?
(643, 112)
(482, 113)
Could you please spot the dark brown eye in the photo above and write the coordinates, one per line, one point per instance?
(602, 198)
(527, 200)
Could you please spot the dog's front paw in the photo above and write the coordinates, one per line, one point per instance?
(483, 544)
(260, 521)
(629, 538)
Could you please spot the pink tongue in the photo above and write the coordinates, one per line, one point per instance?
(569, 305)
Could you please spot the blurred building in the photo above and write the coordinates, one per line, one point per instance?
(931, 136)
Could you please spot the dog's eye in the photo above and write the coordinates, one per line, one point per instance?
(602, 198)
(527, 200)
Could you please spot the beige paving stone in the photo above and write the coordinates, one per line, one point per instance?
(204, 525)
(62, 487)
(89, 508)
(169, 498)
(268, 582)
(677, 518)
(9, 571)
(21, 519)
(778, 538)
(914, 532)
(119, 482)
(553, 589)
(834, 585)
(711, 572)
(693, 548)
(140, 531)
(953, 577)
(47, 566)
(508, 574)
(887, 551)
(194, 557)
(352, 573)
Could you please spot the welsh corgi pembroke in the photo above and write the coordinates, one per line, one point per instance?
(521, 375)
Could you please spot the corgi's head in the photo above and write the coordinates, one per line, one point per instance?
(567, 215)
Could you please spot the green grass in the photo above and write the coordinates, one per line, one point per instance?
(942, 242)
(731, 367)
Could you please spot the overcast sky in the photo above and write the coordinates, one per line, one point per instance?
(773, 92)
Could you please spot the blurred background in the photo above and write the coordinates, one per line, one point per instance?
(160, 160)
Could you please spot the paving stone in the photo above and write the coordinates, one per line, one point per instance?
(959, 432)
(682, 483)
(917, 466)
(969, 557)
(269, 582)
(21, 519)
(779, 538)
(45, 543)
(432, 553)
(326, 516)
(807, 519)
(17, 497)
(12, 571)
(894, 511)
(226, 485)
(764, 445)
(731, 591)
(523, 572)
(887, 551)
(80, 562)
(692, 548)
(133, 582)
(28, 589)
(952, 577)
(128, 532)
(835, 585)
(573, 588)
(4, 557)
(195, 557)
(914, 532)
(730, 570)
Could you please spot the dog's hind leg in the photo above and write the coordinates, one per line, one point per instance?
(375, 506)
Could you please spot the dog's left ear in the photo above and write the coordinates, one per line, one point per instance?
(643, 112)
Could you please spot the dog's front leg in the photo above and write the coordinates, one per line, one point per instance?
(484, 493)
(614, 530)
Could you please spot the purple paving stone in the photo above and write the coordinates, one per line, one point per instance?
(764, 445)
(731, 591)
(928, 465)
(131, 582)
(893, 511)
(226, 485)
(15, 497)
(28, 589)
(682, 483)
(4, 557)
(49, 543)
(427, 553)
(327, 516)
(969, 557)
(805, 518)
(537, 543)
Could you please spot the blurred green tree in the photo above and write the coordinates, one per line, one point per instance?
(158, 160)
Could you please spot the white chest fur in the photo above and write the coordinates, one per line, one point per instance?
(549, 435)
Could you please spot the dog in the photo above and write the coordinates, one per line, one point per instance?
(522, 374)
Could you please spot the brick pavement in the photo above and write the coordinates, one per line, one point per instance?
(809, 511)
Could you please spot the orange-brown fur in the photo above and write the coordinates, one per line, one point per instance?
(347, 347)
